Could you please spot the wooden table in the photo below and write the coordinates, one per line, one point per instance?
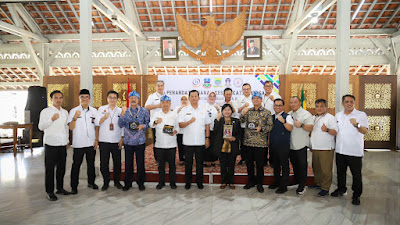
(15, 136)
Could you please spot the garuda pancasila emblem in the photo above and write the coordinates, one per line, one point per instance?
(211, 37)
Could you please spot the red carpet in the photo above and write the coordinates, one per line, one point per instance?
(211, 174)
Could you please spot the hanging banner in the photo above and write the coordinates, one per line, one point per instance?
(178, 85)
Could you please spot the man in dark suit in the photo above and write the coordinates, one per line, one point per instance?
(252, 50)
(170, 51)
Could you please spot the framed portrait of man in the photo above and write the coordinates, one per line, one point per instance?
(169, 48)
(253, 47)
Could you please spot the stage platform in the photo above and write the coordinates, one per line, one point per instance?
(212, 175)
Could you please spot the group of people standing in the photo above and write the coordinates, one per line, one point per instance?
(254, 126)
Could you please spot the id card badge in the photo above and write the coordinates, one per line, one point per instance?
(111, 126)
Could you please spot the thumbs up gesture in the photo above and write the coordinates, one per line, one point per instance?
(297, 123)
(324, 128)
(55, 116)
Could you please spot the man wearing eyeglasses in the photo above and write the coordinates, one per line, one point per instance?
(110, 139)
(81, 121)
(280, 146)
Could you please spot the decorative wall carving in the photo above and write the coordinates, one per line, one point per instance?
(97, 95)
(379, 128)
(378, 96)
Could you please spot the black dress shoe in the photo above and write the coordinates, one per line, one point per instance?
(200, 185)
(51, 196)
(260, 188)
(273, 186)
(356, 201)
(160, 186)
(338, 193)
(141, 187)
(93, 186)
(126, 188)
(173, 186)
(187, 186)
(105, 187)
(248, 186)
(74, 191)
(63, 192)
(281, 190)
(118, 185)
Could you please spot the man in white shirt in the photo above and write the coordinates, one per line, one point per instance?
(53, 121)
(228, 100)
(299, 142)
(323, 146)
(153, 105)
(110, 139)
(196, 137)
(81, 120)
(244, 102)
(167, 126)
(268, 103)
(270, 96)
(352, 126)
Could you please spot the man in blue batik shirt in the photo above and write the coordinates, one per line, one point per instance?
(135, 121)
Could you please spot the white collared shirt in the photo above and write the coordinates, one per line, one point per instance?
(195, 133)
(234, 105)
(56, 133)
(105, 134)
(288, 119)
(240, 103)
(300, 138)
(164, 140)
(84, 133)
(153, 99)
(212, 113)
(349, 141)
(268, 103)
(321, 140)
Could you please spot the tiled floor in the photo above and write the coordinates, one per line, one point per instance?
(22, 200)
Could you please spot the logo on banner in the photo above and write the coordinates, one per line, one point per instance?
(227, 82)
(196, 82)
(273, 78)
(238, 82)
(218, 82)
(207, 83)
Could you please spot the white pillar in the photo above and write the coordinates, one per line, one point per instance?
(342, 50)
(85, 34)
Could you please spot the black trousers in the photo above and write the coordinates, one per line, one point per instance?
(242, 147)
(227, 163)
(166, 155)
(90, 153)
(54, 157)
(209, 155)
(198, 152)
(298, 158)
(355, 164)
(181, 148)
(130, 150)
(154, 142)
(281, 165)
(255, 154)
(105, 150)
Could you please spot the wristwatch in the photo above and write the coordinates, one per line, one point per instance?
(327, 130)
(358, 126)
(302, 125)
